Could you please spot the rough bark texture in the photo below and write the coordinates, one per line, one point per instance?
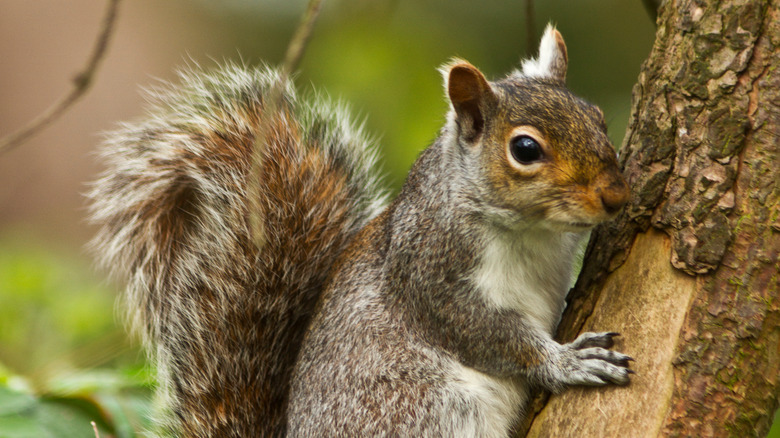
(689, 271)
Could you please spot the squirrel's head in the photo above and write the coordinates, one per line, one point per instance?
(533, 150)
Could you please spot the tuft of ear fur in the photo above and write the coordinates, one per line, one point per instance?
(471, 97)
(552, 60)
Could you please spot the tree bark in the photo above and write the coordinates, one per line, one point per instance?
(688, 273)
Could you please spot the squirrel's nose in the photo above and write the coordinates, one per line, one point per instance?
(615, 195)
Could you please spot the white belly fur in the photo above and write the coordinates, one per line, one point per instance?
(494, 403)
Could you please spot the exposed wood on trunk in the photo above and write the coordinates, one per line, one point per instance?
(689, 271)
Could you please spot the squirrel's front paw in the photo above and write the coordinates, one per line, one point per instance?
(587, 361)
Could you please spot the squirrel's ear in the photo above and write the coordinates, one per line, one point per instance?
(552, 60)
(471, 97)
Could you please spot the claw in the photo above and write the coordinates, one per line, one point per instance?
(625, 361)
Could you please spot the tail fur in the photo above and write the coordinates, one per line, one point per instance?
(222, 318)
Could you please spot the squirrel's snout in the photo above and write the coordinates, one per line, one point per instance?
(614, 195)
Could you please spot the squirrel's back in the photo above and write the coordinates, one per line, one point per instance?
(223, 316)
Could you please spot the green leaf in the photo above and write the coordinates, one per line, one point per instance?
(23, 427)
(24, 415)
(117, 401)
(14, 403)
(70, 417)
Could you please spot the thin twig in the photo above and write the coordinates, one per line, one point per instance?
(272, 105)
(298, 43)
(81, 84)
(294, 53)
(94, 427)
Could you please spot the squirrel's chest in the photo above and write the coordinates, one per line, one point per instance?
(529, 276)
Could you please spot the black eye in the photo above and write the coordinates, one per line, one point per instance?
(525, 149)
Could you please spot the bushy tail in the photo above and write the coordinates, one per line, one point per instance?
(223, 318)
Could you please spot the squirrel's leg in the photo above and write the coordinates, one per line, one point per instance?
(504, 342)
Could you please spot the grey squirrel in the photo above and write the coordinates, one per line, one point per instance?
(430, 316)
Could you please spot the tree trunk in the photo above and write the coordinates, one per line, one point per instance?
(688, 273)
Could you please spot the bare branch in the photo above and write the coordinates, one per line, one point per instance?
(272, 106)
(81, 84)
(298, 43)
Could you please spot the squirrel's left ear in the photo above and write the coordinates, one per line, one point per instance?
(471, 96)
(552, 60)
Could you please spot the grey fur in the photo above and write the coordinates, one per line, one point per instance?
(433, 317)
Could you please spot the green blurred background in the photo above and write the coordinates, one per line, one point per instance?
(64, 355)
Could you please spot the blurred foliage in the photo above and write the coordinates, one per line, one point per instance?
(382, 56)
(55, 313)
(775, 431)
(117, 403)
(64, 359)
(64, 362)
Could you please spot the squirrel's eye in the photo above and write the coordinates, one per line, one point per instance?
(525, 149)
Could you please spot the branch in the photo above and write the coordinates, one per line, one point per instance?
(272, 106)
(81, 84)
(298, 43)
